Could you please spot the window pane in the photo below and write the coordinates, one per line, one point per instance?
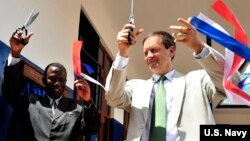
(100, 57)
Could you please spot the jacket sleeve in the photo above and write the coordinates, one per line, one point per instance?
(118, 90)
(12, 84)
(214, 66)
(91, 120)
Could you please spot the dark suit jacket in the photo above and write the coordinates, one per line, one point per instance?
(35, 115)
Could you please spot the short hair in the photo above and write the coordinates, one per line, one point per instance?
(167, 38)
(55, 64)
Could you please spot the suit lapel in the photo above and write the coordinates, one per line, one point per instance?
(178, 91)
(45, 102)
(60, 108)
(148, 92)
(58, 113)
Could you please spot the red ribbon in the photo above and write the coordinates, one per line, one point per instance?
(76, 54)
(241, 36)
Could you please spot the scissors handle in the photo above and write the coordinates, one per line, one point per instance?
(26, 32)
(129, 35)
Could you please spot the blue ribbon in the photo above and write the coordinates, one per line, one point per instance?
(221, 38)
(245, 83)
(88, 68)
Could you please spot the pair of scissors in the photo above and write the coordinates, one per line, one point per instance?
(33, 15)
(131, 20)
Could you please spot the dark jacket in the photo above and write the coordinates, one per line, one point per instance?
(36, 121)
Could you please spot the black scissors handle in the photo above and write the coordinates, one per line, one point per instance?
(129, 35)
(25, 30)
(26, 33)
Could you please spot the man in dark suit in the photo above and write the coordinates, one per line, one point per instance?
(53, 116)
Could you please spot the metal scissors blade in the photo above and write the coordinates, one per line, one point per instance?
(131, 20)
(131, 16)
(33, 15)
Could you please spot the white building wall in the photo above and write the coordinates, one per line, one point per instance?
(54, 30)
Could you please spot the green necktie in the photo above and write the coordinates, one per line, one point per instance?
(158, 122)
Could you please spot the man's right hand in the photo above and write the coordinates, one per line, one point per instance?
(17, 42)
(122, 38)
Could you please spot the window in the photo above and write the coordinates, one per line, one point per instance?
(94, 56)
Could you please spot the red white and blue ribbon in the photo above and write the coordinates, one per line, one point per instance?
(220, 37)
(76, 54)
(235, 52)
(240, 34)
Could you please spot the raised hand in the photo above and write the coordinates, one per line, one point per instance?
(122, 38)
(83, 90)
(187, 34)
(17, 42)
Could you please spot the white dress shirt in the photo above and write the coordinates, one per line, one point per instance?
(171, 130)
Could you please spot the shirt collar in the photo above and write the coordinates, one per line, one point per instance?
(51, 100)
(169, 76)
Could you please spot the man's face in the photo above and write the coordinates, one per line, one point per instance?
(157, 57)
(55, 82)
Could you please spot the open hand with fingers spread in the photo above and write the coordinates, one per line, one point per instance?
(186, 34)
(17, 42)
